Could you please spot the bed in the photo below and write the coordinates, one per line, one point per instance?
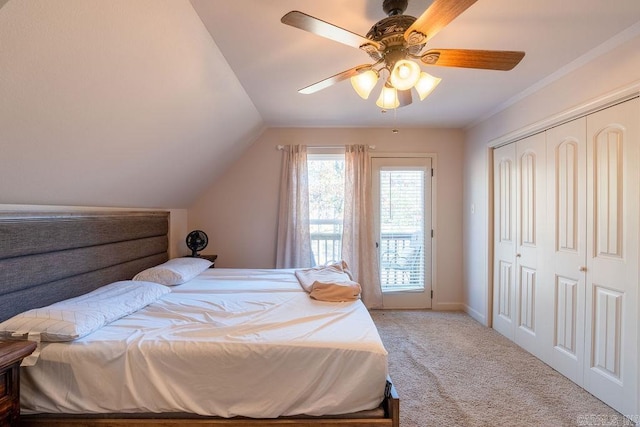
(264, 352)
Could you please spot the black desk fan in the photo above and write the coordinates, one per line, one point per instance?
(197, 240)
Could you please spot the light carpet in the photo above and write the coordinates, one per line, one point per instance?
(451, 371)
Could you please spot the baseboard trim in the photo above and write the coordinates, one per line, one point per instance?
(447, 306)
(479, 317)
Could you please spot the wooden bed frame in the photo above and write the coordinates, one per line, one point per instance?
(47, 257)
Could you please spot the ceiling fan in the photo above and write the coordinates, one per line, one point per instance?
(394, 43)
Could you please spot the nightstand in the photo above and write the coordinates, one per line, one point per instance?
(211, 258)
(11, 354)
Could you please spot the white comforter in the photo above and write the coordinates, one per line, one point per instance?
(228, 343)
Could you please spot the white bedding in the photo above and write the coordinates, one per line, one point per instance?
(227, 343)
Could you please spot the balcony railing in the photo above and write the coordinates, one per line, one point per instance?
(401, 260)
(326, 240)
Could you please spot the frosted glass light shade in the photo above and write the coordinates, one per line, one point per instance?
(364, 83)
(405, 74)
(388, 98)
(426, 84)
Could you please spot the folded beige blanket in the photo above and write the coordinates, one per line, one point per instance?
(335, 292)
(329, 283)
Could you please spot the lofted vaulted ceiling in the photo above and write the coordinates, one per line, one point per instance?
(125, 103)
(143, 103)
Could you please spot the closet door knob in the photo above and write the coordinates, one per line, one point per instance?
(583, 268)
(518, 255)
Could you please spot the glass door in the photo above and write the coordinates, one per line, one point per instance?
(402, 194)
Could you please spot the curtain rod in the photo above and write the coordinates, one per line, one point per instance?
(281, 147)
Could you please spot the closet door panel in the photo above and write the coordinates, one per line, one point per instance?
(565, 257)
(532, 283)
(504, 268)
(611, 368)
(566, 250)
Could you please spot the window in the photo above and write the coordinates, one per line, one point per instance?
(326, 205)
(402, 229)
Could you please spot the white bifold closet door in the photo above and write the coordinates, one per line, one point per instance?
(504, 239)
(520, 202)
(566, 230)
(613, 182)
(566, 258)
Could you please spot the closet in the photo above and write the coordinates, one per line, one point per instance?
(566, 258)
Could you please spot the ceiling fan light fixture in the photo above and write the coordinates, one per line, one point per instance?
(363, 83)
(426, 84)
(388, 98)
(396, 44)
(405, 74)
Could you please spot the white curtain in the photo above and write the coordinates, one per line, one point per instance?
(358, 235)
(293, 249)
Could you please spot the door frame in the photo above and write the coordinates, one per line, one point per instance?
(433, 258)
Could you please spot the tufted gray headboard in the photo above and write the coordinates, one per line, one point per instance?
(51, 256)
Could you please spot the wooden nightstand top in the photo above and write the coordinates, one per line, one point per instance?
(211, 258)
(14, 351)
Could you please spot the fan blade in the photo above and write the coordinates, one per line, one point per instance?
(322, 84)
(324, 29)
(435, 18)
(503, 60)
(404, 97)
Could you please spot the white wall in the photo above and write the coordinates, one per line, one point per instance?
(239, 211)
(115, 103)
(619, 67)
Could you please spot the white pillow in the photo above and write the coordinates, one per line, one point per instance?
(176, 271)
(76, 317)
